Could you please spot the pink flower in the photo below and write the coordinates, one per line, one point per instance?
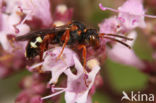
(13, 17)
(109, 26)
(11, 6)
(77, 89)
(31, 10)
(33, 88)
(0, 18)
(8, 31)
(77, 86)
(130, 15)
(28, 97)
(12, 27)
(62, 15)
(39, 9)
(36, 99)
(56, 67)
(10, 63)
(4, 72)
(121, 54)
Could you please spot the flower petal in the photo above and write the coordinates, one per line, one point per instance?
(132, 12)
(124, 55)
(37, 9)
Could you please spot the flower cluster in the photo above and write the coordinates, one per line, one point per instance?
(33, 89)
(21, 17)
(130, 16)
(77, 88)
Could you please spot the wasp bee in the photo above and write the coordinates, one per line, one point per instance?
(74, 34)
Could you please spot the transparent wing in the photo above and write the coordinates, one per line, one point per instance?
(41, 32)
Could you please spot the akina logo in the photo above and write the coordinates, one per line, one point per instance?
(138, 96)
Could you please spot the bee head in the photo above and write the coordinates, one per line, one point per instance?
(92, 37)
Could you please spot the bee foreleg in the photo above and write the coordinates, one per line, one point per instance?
(66, 39)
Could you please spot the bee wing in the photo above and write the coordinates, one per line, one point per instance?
(42, 32)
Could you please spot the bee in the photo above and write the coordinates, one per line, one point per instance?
(74, 34)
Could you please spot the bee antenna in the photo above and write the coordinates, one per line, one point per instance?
(118, 41)
(116, 35)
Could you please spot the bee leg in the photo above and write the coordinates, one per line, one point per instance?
(84, 52)
(44, 44)
(43, 47)
(66, 39)
(83, 47)
(41, 54)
